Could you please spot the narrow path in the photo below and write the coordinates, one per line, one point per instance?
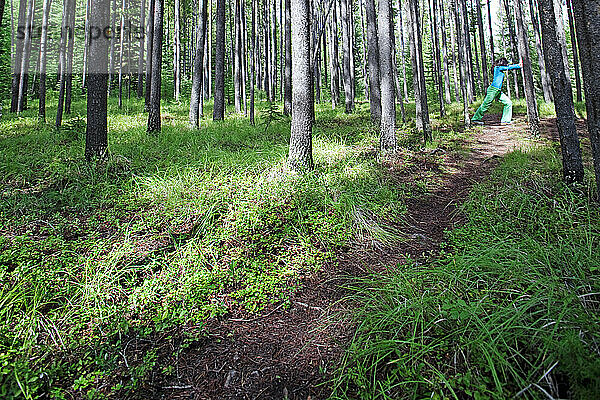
(286, 352)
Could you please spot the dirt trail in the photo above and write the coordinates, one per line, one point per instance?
(289, 352)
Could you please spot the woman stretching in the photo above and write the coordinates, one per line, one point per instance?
(500, 68)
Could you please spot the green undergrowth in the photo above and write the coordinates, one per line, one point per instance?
(170, 230)
(510, 308)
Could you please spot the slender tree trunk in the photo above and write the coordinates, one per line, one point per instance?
(149, 46)
(111, 62)
(300, 153)
(462, 56)
(489, 13)
(69, 59)
(346, 43)
(402, 47)
(422, 109)
(219, 104)
(447, 96)
(96, 134)
(43, 62)
(177, 50)
(18, 59)
(335, 64)
(387, 137)
(484, 64)
(373, 61)
(140, 72)
(545, 78)
(287, 81)
(563, 94)
(274, 52)
(252, 58)
(466, 34)
(237, 60)
(22, 99)
(197, 76)
(574, 47)
(154, 123)
(587, 21)
(523, 40)
(513, 42)
(121, 53)
(562, 37)
(436, 53)
(455, 50)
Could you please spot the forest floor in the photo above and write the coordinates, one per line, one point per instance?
(289, 352)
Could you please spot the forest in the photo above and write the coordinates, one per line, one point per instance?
(299, 199)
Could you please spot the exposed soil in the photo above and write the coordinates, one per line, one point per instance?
(289, 351)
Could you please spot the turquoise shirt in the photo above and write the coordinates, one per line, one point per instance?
(499, 74)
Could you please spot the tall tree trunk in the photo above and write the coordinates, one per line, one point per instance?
(62, 62)
(545, 78)
(140, 72)
(402, 48)
(436, 53)
(387, 137)
(177, 50)
(346, 67)
(523, 40)
(562, 37)
(287, 81)
(373, 61)
(563, 94)
(513, 42)
(335, 63)
(484, 64)
(466, 34)
(154, 123)
(22, 99)
(489, 13)
(300, 153)
(111, 62)
(219, 104)
(274, 51)
(252, 59)
(587, 21)
(237, 60)
(96, 134)
(149, 45)
(455, 50)
(43, 60)
(197, 76)
(574, 47)
(18, 59)
(121, 53)
(422, 109)
(447, 96)
(462, 56)
(69, 59)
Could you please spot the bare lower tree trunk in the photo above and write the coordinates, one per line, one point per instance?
(22, 99)
(177, 50)
(19, 45)
(346, 43)
(154, 123)
(563, 95)
(121, 53)
(575, 55)
(455, 50)
(219, 104)
(562, 38)
(422, 109)
(96, 134)
(237, 59)
(149, 40)
(587, 21)
(140, 72)
(469, 54)
(545, 78)
(335, 63)
(373, 61)
(43, 61)
(300, 153)
(387, 137)
(513, 42)
(436, 56)
(447, 96)
(69, 59)
(197, 76)
(402, 48)
(523, 41)
(493, 54)
(287, 80)
(484, 64)
(252, 59)
(462, 56)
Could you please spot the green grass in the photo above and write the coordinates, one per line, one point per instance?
(511, 307)
(172, 229)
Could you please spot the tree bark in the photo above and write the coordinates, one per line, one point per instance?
(154, 123)
(387, 137)
(462, 56)
(574, 47)
(197, 76)
(513, 42)
(346, 67)
(402, 47)
(149, 40)
(300, 152)
(523, 41)
(447, 96)
(373, 60)
(436, 56)
(335, 60)
(70, 46)
(43, 58)
(140, 72)
(22, 99)
(545, 78)
(177, 50)
(562, 38)
(19, 45)
(493, 54)
(96, 134)
(466, 34)
(219, 103)
(422, 109)
(484, 64)
(563, 95)
(252, 60)
(237, 59)
(587, 21)
(287, 80)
